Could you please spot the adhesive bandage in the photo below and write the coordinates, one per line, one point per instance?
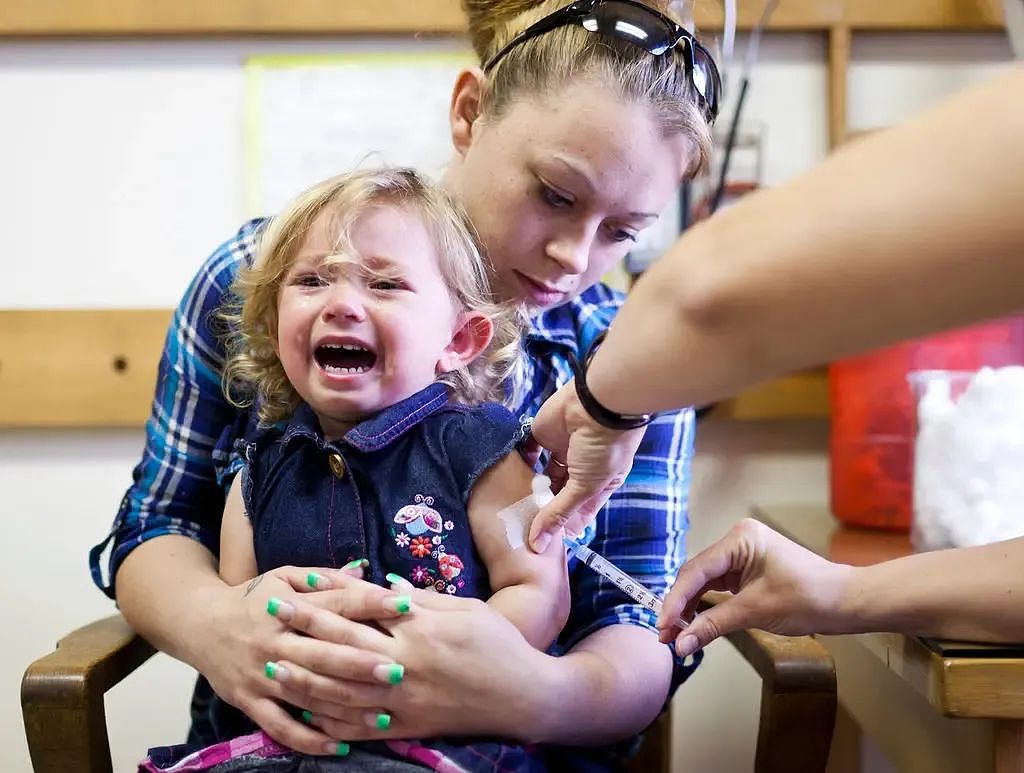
(519, 515)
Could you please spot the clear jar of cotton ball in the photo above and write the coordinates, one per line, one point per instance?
(968, 457)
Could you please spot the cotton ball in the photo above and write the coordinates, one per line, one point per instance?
(977, 489)
(967, 459)
(986, 380)
(936, 403)
(930, 532)
(1011, 380)
(980, 526)
(980, 392)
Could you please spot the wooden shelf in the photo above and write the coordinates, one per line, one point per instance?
(79, 368)
(97, 368)
(42, 18)
(801, 395)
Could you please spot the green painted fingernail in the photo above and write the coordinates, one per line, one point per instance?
(383, 721)
(307, 716)
(270, 669)
(403, 604)
(391, 673)
(356, 563)
(394, 578)
(273, 605)
(342, 749)
(313, 579)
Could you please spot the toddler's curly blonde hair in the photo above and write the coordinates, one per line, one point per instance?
(253, 373)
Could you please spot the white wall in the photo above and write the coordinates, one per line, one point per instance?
(121, 167)
(59, 492)
(123, 162)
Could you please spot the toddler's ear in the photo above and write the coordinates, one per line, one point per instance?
(472, 334)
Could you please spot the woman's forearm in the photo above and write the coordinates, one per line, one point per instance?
(608, 687)
(969, 593)
(163, 590)
(913, 230)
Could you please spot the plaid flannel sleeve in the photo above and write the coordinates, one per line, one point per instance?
(642, 530)
(178, 483)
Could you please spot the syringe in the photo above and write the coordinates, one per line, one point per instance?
(632, 587)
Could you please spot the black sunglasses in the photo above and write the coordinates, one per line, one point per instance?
(640, 25)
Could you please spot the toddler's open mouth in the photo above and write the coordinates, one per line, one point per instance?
(344, 358)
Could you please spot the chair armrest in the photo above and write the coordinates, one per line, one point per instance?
(798, 706)
(798, 699)
(62, 695)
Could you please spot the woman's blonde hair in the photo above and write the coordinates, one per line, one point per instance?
(570, 53)
(253, 373)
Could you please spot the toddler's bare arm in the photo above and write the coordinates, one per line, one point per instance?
(530, 589)
(237, 553)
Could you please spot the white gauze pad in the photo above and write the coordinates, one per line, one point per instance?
(519, 515)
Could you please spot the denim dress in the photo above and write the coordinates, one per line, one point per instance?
(393, 490)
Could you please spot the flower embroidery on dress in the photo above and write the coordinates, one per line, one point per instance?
(416, 522)
(420, 547)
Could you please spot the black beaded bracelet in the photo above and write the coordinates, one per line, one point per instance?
(604, 416)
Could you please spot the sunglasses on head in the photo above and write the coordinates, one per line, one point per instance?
(640, 25)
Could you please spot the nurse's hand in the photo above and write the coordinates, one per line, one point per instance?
(778, 586)
(588, 463)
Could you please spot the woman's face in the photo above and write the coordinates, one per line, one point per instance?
(559, 186)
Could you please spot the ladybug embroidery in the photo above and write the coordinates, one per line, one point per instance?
(450, 566)
(419, 517)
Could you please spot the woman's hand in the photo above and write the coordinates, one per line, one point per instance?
(588, 463)
(468, 671)
(343, 667)
(778, 586)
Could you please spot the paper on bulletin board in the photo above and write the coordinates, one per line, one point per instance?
(311, 117)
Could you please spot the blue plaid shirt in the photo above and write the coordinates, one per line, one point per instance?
(188, 462)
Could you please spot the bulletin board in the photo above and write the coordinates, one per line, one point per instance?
(311, 117)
